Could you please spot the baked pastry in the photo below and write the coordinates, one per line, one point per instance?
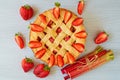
(57, 36)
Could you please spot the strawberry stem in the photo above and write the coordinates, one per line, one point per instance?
(27, 6)
(57, 4)
(47, 68)
(81, 1)
(28, 60)
(16, 34)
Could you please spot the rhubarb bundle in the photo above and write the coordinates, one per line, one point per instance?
(91, 61)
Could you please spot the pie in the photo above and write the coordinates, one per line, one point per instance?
(57, 37)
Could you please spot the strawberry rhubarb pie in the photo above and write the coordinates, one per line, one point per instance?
(57, 36)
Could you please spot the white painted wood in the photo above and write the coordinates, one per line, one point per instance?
(98, 15)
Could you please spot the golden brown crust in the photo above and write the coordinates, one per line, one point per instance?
(66, 46)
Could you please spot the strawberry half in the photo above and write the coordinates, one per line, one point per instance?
(52, 60)
(27, 64)
(80, 7)
(101, 37)
(78, 21)
(43, 18)
(19, 40)
(36, 28)
(40, 53)
(26, 12)
(67, 16)
(81, 34)
(41, 70)
(60, 61)
(35, 44)
(56, 10)
(78, 46)
(70, 58)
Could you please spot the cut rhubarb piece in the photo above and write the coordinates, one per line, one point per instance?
(51, 39)
(58, 30)
(50, 23)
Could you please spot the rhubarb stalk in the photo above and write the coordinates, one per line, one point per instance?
(72, 66)
(100, 59)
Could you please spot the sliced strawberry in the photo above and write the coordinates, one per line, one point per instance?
(52, 60)
(101, 37)
(35, 44)
(43, 18)
(27, 64)
(70, 58)
(80, 7)
(78, 21)
(19, 40)
(36, 28)
(60, 61)
(67, 16)
(81, 34)
(40, 53)
(56, 10)
(78, 46)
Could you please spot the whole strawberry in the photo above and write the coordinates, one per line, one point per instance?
(41, 70)
(26, 12)
(27, 64)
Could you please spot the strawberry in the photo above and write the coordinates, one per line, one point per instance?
(70, 58)
(26, 12)
(36, 28)
(67, 16)
(43, 18)
(41, 70)
(80, 7)
(60, 61)
(27, 64)
(19, 40)
(56, 10)
(35, 44)
(101, 37)
(40, 53)
(81, 34)
(52, 60)
(78, 21)
(78, 46)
